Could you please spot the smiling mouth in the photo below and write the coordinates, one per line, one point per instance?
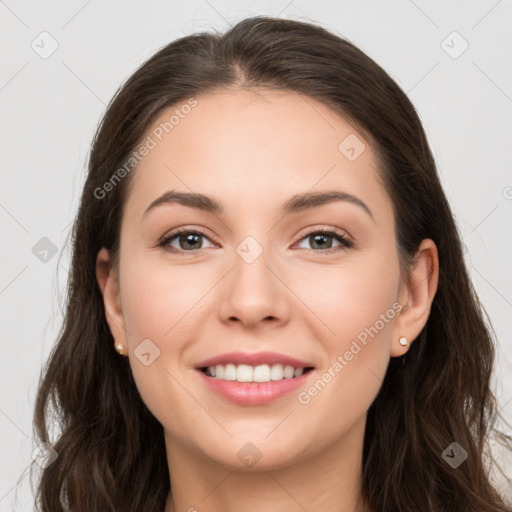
(259, 373)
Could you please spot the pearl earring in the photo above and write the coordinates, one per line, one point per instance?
(403, 341)
(119, 348)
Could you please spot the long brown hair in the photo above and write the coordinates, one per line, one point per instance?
(111, 451)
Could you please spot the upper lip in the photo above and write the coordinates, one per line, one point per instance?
(254, 359)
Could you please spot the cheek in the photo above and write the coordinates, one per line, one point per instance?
(158, 299)
(358, 307)
(355, 298)
(161, 303)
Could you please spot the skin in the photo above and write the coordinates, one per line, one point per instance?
(252, 150)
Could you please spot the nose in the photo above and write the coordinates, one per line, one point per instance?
(254, 294)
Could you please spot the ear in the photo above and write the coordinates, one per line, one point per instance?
(416, 296)
(108, 280)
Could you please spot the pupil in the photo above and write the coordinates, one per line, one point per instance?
(189, 239)
(318, 237)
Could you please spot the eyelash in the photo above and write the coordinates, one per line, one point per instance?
(338, 235)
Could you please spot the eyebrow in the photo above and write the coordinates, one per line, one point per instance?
(296, 203)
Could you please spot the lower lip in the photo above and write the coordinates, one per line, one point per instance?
(253, 393)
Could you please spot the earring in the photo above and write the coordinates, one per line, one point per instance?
(403, 341)
(119, 348)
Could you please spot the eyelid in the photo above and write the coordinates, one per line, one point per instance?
(346, 240)
(325, 229)
(183, 229)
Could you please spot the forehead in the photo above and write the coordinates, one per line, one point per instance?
(254, 147)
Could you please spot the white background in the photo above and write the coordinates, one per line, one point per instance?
(50, 109)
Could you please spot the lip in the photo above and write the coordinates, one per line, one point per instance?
(253, 393)
(254, 359)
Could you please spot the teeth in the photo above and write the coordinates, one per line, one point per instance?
(244, 373)
(260, 373)
(277, 372)
(229, 372)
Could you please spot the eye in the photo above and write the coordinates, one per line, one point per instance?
(323, 239)
(188, 240)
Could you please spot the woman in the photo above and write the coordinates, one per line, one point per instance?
(268, 303)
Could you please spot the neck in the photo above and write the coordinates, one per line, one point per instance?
(329, 481)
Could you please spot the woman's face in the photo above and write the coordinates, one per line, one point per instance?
(262, 278)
